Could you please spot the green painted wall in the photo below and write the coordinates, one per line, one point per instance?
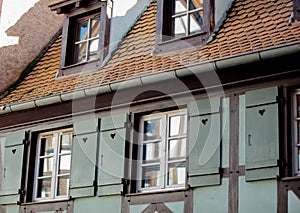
(293, 203)
(211, 199)
(225, 132)
(109, 204)
(257, 196)
(242, 130)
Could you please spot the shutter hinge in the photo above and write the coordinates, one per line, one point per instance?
(128, 125)
(281, 100)
(125, 181)
(21, 191)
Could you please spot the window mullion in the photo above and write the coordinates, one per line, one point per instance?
(56, 164)
(163, 152)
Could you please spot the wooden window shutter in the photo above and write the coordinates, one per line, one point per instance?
(296, 9)
(112, 154)
(262, 134)
(84, 158)
(204, 143)
(12, 167)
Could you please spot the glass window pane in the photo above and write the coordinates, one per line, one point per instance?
(180, 6)
(81, 52)
(64, 164)
(298, 106)
(196, 22)
(83, 31)
(62, 186)
(180, 26)
(176, 174)
(95, 27)
(151, 151)
(150, 176)
(46, 166)
(44, 188)
(47, 146)
(298, 160)
(177, 125)
(177, 148)
(66, 143)
(152, 129)
(195, 4)
(93, 49)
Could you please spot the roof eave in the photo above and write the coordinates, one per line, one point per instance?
(196, 69)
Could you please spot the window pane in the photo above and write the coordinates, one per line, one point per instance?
(95, 27)
(46, 167)
(298, 160)
(150, 176)
(62, 185)
(152, 129)
(83, 31)
(195, 4)
(180, 6)
(64, 164)
(177, 125)
(298, 106)
(93, 49)
(177, 148)
(66, 143)
(44, 188)
(151, 151)
(196, 22)
(176, 174)
(180, 26)
(81, 52)
(47, 146)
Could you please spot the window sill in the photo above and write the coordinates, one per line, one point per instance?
(158, 191)
(287, 179)
(59, 200)
(79, 68)
(178, 44)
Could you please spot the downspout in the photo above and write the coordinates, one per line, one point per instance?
(203, 67)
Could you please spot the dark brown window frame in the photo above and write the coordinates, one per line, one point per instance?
(164, 46)
(66, 67)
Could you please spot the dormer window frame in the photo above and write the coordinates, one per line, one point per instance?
(165, 42)
(73, 14)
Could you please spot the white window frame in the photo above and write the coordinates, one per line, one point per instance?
(164, 162)
(295, 145)
(55, 171)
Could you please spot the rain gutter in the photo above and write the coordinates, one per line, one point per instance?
(196, 69)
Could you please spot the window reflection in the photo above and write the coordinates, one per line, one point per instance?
(187, 17)
(87, 43)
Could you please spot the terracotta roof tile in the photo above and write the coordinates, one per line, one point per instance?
(250, 25)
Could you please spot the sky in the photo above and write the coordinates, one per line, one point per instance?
(12, 10)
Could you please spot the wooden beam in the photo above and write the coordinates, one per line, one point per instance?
(234, 155)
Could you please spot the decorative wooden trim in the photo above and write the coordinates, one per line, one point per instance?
(233, 191)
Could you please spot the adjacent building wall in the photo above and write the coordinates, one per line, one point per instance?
(32, 31)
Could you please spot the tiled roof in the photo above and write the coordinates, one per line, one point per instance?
(250, 25)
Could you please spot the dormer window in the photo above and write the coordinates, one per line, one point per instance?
(183, 24)
(86, 39)
(186, 18)
(85, 35)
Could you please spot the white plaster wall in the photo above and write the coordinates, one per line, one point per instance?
(125, 13)
(12, 10)
(27, 26)
(220, 9)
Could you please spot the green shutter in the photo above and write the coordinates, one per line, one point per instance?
(204, 143)
(12, 167)
(112, 154)
(262, 134)
(84, 158)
